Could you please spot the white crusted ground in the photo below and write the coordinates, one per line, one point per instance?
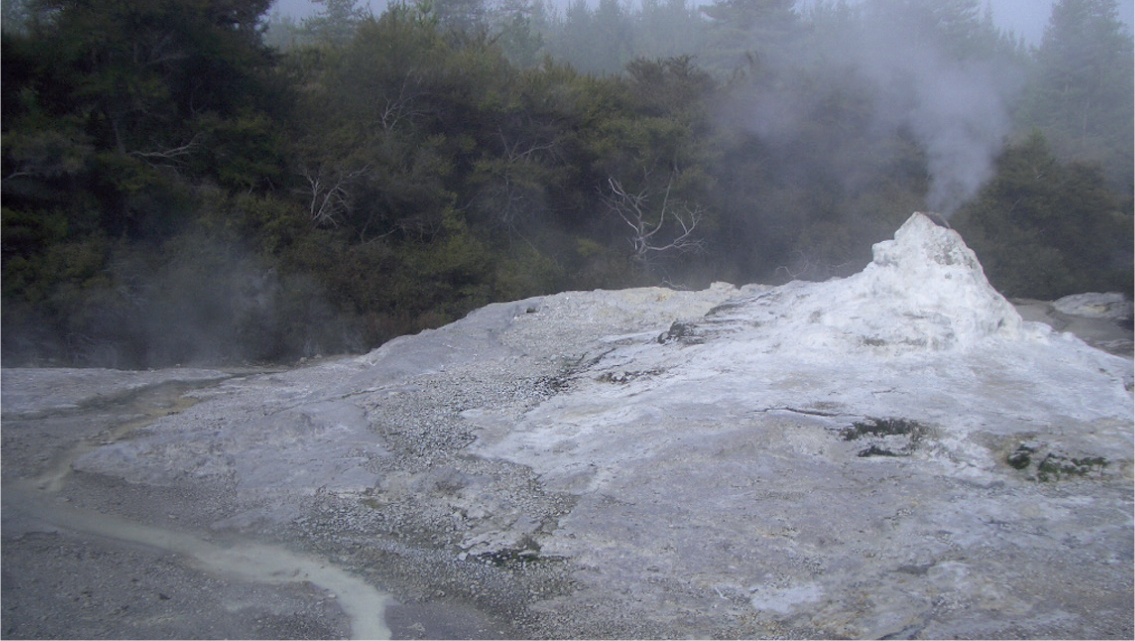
(718, 455)
(895, 454)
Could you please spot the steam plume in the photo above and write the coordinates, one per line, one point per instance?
(956, 109)
(953, 104)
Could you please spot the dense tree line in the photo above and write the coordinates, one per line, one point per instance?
(198, 180)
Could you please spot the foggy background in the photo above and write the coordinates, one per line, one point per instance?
(1026, 18)
(323, 187)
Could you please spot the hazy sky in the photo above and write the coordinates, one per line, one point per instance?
(1026, 17)
(1029, 17)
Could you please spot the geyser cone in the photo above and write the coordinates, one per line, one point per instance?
(924, 290)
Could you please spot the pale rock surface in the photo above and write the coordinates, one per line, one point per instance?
(1101, 320)
(33, 390)
(725, 455)
(1111, 305)
(897, 454)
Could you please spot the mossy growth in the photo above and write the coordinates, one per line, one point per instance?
(1045, 466)
(875, 450)
(882, 427)
(1054, 467)
(888, 436)
(622, 378)
(1021, 457)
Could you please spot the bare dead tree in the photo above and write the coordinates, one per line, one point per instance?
(803, 265)
(518, 149)
(400, 107)
(651, 235)
(170, 155)
(804, 268)
(512, 193)
(329, 195)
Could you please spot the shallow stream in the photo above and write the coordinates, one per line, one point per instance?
(36, 500)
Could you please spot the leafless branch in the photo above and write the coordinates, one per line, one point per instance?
(400, 107)
(804, 268)
(511, 194)
(512, 149)
(329, 196)
(169, 154)
(799, 271)
(646, 225)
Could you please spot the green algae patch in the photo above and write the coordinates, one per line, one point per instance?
(1043, 464)
(1055, 468)
(881, 427)
(885, 436)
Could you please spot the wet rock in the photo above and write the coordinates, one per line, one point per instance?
(1112, 306)
(1100, 320)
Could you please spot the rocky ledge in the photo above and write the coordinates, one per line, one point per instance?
(898, 454)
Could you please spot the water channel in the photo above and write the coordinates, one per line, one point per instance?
(36, 499)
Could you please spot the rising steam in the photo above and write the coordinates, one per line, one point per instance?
(953, 105)
(957, 109)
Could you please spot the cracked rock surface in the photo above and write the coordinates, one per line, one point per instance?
(898, 454)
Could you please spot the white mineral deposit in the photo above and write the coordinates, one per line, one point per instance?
(897, 454)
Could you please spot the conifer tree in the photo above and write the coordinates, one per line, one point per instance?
(1081, 91)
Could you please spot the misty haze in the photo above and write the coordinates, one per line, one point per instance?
(539, 319)
(321, 184)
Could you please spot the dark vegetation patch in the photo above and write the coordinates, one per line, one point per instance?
(875, 450)
(1054, 467)
(1042, 464)
(881, 427)
(622, 378)
(885, 436)
(1021, 457)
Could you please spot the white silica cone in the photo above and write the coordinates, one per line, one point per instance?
(924, 290)
(928, 279)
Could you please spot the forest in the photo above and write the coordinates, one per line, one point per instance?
(210, 182)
